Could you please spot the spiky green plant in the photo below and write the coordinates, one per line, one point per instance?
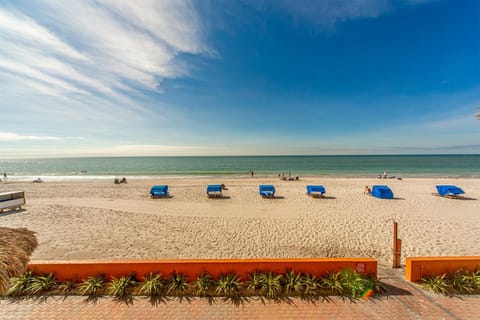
(353, 284)
(92, 285)
(475, 275)
(152, 284)
(66, 286)
(461, 280)
(21, 284)
(271, 285)
(202, 284)
(177, 284)
(228, 285)
(254, 281)
(332, 282)
(41, 283)
(375, 284)
(292, 282)
(437, 284)
(119, 286)
(310, 285)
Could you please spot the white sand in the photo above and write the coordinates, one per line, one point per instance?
(75, 220)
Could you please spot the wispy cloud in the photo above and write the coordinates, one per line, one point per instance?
(11, 136)
(102, 55)
(328, 13)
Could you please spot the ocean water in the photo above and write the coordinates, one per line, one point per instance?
(466, 166)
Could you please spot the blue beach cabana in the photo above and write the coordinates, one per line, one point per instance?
(382, 192)
(267, 190)
(159, 191)
(214, 190)
(452, 191)
(316, 191)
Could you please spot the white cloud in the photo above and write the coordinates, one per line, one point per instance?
(11, 136)
(93, 59)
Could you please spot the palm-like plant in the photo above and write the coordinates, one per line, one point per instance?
(437, 284)
(67, 286)
(228, 285)
(292, 282)
(119, 286)
(203, 283)
(271, 284)
(21, 284)
(254, 281)
(332, 282)
(461, 280)
(153, 284)
(177, 284)
(353, 283)
(310, 285)
(92, 285)
(41, 283)
(476, 279)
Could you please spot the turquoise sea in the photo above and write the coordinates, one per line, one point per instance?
(466, 166)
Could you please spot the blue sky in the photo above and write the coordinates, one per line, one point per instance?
(105, 77)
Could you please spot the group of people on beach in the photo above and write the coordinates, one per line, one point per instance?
(118, 180)
(385, 176)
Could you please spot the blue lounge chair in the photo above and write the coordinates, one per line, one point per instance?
(382, 192)
(449, 191)
(159, 191)
(214, 190)
(267, 190)
(316, 191)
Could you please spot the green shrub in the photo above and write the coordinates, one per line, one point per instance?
(177, 284)
(119, 286)
(332, 282)
(271, 284)
(228, 285)
(254, 281)
(292, 282)
(41, 283)
(203, 283)
(462, 281)
(310, 285)
(437, 284)
(152, 284)
(21, 284)
(353, 284)
(92, 285)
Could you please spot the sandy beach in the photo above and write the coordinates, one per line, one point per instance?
(101, 220)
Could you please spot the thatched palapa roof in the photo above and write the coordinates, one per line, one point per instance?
(16, 246)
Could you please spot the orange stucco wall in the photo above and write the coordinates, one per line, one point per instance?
(67, 270)
(418, 267)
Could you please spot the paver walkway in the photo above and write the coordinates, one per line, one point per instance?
(405, 301)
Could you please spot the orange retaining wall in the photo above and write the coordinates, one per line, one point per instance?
(418, 267)
(80, 269)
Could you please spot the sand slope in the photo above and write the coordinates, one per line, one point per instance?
(101, 220)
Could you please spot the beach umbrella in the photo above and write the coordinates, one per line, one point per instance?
(16, 246)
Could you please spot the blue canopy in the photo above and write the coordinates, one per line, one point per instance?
(382, 192)
(159, 191)
(267, 190)
(449, 190)
(315, 189)
(214, 188)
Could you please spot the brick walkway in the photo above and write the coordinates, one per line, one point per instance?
(405, 301)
